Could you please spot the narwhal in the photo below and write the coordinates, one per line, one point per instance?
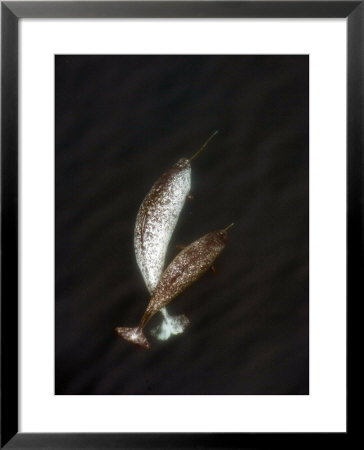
(189, 265)
(156, 220)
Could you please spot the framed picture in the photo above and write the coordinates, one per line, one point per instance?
(142, 141)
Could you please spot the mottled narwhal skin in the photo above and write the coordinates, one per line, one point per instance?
(189, 265)
(157, 218)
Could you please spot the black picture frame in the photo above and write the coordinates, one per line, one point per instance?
(11, 12)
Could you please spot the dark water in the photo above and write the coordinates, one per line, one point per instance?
(120, 122)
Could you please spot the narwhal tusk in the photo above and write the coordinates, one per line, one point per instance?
(227, 228)
(204, 145)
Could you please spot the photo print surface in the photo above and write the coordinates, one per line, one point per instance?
(145, 302)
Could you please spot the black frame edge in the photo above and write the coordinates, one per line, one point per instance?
(180, 441)
(9, 224)
(355, 164)
(183, 9)
(11, 12)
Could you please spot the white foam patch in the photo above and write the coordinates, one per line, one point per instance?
(170, 326)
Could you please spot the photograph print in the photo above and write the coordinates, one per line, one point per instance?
(182, 225)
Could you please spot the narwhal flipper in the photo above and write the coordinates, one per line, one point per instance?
(134, 335)
(170, 325)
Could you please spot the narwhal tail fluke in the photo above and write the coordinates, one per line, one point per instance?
(170, 325)
(134, 335)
